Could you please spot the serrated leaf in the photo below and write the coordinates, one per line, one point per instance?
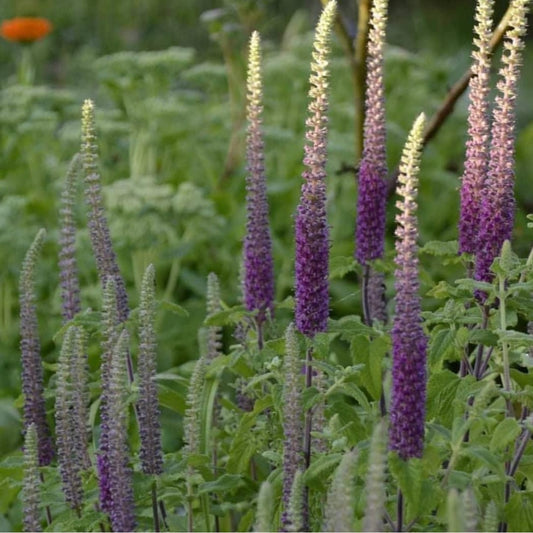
(504, 433)
(440, 344)
(339, 266)
(441, 248)
(408, 476)
(441, 391)
(350, 327)
(519, 511)
(320, 469)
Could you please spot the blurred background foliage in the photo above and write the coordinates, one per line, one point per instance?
(168, 80)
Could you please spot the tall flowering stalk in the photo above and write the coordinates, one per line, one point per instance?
(339, 513)
(375, 480)
(151, 453)
(30, 348)
(258, 263)
(292, 420)
(32, 483)
(148, 408)
(68, 270)
(110, 324)
(312, 233)
(407, 411)
(69, 448)
(497, 206)
(311, 228)
(122, 512)
(214, 333)
(106, 261)
(372, 198)
(477, 146)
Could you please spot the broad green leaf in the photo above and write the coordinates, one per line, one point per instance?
(340, 266)
(486, 457)
(320, 469)
(408, 476)
(224, 483)
(519, 511)
(505, 433)
(440, 344)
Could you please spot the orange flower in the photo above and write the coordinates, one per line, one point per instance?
(25, 29)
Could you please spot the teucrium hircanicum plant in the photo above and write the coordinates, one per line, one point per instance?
(68, 270)
(110, 325)
(106, 260)
(30, 348)
(121, 512)
(498, 204)
(339, 514)
(147, 405)
(408, 397)
(312, 233)
(32, 483)
(70, 431)
(265, 508)
(258, 263)
(214, 333)
(477, 146)
(372, 197)
(375, 480)
(292, 419)
(297, 510)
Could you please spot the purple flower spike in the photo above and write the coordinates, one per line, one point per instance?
(258, 264)
(372, 197)
(477, 146)
(148, 407)
(30, 348)
(497, 207)
(407, 411)
(106, 260)
(312, 232)
(122, 512)
(70, 286)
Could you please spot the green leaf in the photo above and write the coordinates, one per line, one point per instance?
(441, 248)
(339, 266)
(224, 483)
(440, 344)
(504, 433)
(519, 511)
(350, 327)
(227, 317)
(171, 399)
(441, 391)
(173, 308)
(320, 469)
(486, 458)
(408, 476)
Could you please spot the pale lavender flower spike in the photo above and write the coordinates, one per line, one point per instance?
(409, 343)
(312, 232)
(148, 407)
(70, 286)
(258, 263)
(477, 146)
(106, 261)
(30, 348)
(498, 203)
